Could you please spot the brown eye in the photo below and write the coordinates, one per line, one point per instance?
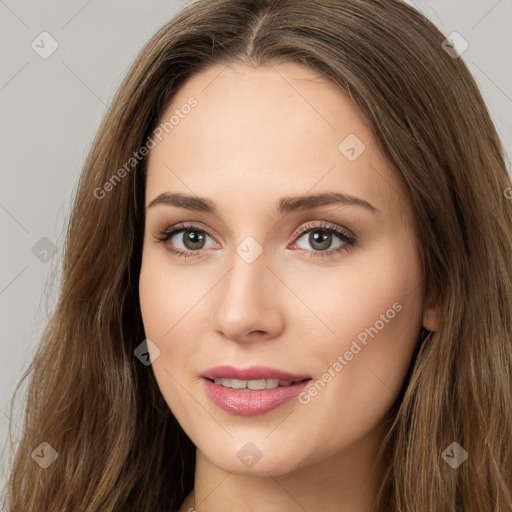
(193, 240)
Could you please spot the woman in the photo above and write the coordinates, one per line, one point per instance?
(210, 350)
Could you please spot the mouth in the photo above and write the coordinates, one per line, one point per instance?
(251, 391)
(254, 385)
(252, 373)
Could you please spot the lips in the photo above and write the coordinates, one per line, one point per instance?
(251, 391)
(251, 373)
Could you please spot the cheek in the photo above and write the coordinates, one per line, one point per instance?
(374, 322)
(167, 295)
(165, 302)
(160, 314)
(370, 309)
(170, 300)
(372, 295)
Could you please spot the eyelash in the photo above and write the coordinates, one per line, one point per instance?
(163, 236)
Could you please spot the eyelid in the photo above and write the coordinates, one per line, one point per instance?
(323, 225)
(184, 226)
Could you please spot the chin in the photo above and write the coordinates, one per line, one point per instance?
(257, 456)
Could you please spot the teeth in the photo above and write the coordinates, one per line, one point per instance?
(235, 384)
(252, 384)
(259, 384)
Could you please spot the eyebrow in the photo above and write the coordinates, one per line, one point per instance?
(285, 205)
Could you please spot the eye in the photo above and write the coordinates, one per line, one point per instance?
(322, 236)
(191, 238)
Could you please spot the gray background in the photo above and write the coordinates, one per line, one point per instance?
(51, 108)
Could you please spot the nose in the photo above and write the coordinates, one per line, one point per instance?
(248, 302)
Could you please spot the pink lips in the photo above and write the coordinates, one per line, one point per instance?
(251, 373)
(246, 402)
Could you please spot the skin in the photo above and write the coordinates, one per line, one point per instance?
(257, 134)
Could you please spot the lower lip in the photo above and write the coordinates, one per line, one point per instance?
(246, 402)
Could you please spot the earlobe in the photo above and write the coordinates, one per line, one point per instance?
(432, 317)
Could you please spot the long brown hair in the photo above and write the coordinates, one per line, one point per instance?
(119, 446)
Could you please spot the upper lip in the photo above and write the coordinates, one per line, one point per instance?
(251, 373)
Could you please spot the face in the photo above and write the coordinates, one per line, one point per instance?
(327, 294)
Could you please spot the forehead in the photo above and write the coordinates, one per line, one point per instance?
(258, 133)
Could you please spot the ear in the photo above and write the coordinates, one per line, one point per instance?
(431, 315)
